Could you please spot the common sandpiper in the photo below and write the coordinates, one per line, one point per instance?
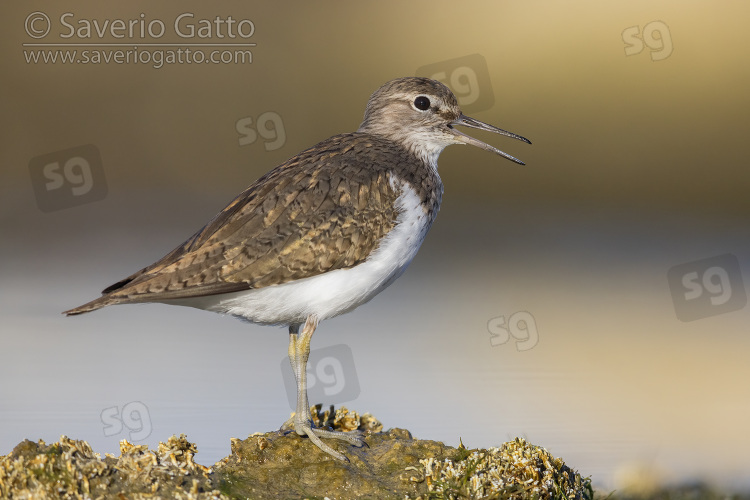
(320, 234)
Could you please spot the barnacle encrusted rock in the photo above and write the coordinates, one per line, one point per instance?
(282, 464)
(515, 471)
(70, 469)
(344, 419)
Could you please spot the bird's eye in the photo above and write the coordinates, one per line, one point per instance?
(422, 103)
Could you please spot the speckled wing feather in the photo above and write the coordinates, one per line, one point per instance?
(324, 209)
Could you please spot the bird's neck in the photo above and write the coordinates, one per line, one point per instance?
(423, 148)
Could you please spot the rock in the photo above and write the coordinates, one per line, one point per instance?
(70, 469)
(288, 466)
(282, 464)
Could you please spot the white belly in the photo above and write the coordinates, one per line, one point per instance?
(335, 292)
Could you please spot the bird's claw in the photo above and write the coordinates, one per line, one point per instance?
(354, 438)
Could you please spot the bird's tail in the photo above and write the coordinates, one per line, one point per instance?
(92, 306)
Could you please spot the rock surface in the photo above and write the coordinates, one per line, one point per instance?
(70, 469)
(283, 465)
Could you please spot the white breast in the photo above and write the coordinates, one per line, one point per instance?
(334, 292)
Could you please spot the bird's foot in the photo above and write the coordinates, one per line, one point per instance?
(303, 428)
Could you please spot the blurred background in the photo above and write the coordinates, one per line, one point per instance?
(593, 301)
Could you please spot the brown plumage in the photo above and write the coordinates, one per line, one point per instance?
(324, 209)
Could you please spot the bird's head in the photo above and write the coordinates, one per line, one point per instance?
(422, 114)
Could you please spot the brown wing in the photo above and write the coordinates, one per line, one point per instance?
(324, 209)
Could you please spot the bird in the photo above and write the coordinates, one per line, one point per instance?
(320, 234)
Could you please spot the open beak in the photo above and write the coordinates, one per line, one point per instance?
(471, 122)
